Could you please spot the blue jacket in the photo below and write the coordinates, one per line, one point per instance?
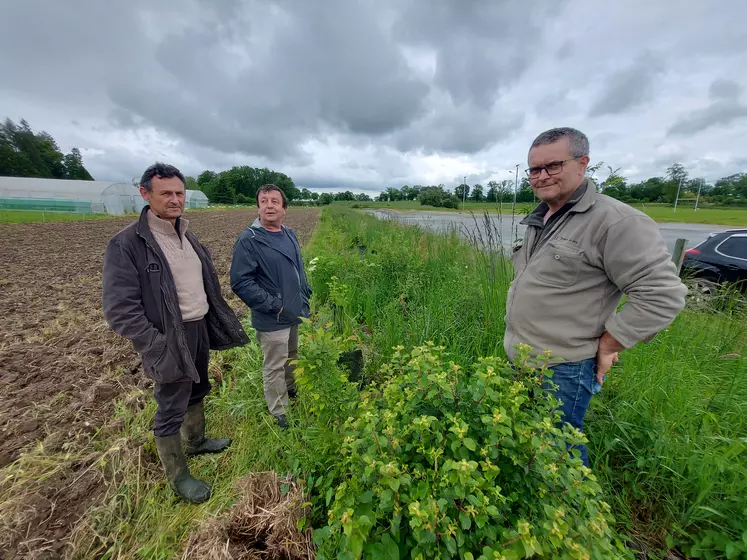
(267, 279)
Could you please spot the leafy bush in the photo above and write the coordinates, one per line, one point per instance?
(441, 463)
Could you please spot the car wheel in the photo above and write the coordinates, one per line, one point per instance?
(701, 293)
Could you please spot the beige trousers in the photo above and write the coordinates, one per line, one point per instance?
(278, 347)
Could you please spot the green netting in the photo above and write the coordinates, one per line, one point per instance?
(47, 204)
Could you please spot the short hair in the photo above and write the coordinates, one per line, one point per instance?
(578, 140)
(268, 188)
(163, 171)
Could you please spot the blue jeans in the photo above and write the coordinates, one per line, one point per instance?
(576, 382)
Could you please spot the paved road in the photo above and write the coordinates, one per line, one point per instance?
(471, 226)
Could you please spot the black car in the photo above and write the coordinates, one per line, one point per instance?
(719, 259)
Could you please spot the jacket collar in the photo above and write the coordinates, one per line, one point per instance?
(583, 198)
(257, 225)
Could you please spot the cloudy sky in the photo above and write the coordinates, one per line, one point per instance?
(367, 94)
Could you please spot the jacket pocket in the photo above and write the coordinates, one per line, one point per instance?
(559, 264)
(292, 308)
(160, 364)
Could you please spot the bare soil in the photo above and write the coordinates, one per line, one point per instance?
(62, 369)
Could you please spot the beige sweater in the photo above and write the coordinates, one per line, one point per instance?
(184, 264)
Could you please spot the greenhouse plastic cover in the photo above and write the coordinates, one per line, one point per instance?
(29, 193)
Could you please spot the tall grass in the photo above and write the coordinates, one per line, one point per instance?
(668, 434)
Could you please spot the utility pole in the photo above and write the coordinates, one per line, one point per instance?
(697, 198)
(464, 192)
(516, 187)
(678, 194)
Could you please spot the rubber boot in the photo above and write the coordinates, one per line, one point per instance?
(193, 432)
(174, 463)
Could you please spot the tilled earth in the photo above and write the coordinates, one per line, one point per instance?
(62, 369)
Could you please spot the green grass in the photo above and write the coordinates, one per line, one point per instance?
(33, 216)
(668, 434)
(728, 216)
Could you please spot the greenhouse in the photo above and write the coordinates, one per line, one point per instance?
(195, 199)
(60, 195)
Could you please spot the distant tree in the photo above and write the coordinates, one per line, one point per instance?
(362, 197)
(525, 192)
(222, 192)
(205, 178)
(314, 196)
(492, 194)
(25, 154)
(74, 166)
(326, 198)
(462, 191)
(191, 184)
(305, 194)
(347, 195)
(477, 193)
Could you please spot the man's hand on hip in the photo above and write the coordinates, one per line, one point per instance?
(280, 313)
(607, 354)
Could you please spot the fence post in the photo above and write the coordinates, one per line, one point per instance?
(678, 254)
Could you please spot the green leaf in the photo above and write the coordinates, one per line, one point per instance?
(465, 521)
(391, 550)
(470, 444)
(328, 497)
(366, 497)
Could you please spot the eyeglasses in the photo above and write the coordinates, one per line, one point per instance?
(552, 168)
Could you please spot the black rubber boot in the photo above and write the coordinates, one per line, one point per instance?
(174, 463)
(193, 432)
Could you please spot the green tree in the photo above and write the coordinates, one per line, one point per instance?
(305, 194)
(222, 192)
(74, 166)
(326, 198)
(676, 175)
(25, 154)
(477, 193)
(205, 178)
(191, 184)
(492, 194)
(362, 197)
(461, 191)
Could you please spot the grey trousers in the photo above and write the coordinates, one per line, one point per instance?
(278, 347)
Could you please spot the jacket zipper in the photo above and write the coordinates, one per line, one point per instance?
(529, 258)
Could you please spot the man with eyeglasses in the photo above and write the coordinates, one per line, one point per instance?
(581, 252)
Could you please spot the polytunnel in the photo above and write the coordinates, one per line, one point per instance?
(62, 195)
(195, 199)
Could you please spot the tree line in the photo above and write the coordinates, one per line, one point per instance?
(676, 183)
(24, 153)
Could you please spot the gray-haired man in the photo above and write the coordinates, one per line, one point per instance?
(581, 252)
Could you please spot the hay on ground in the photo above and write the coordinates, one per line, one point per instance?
(263, 524)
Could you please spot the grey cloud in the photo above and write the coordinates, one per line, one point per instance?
(720, 113)
(481, 47)
(725, 89)
(459, 129)
(628, 88)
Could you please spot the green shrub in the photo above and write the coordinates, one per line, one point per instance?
(440, 463)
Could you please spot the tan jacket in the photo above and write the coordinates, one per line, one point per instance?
(566, 289)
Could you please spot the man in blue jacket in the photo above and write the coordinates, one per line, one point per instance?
(267, 274)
